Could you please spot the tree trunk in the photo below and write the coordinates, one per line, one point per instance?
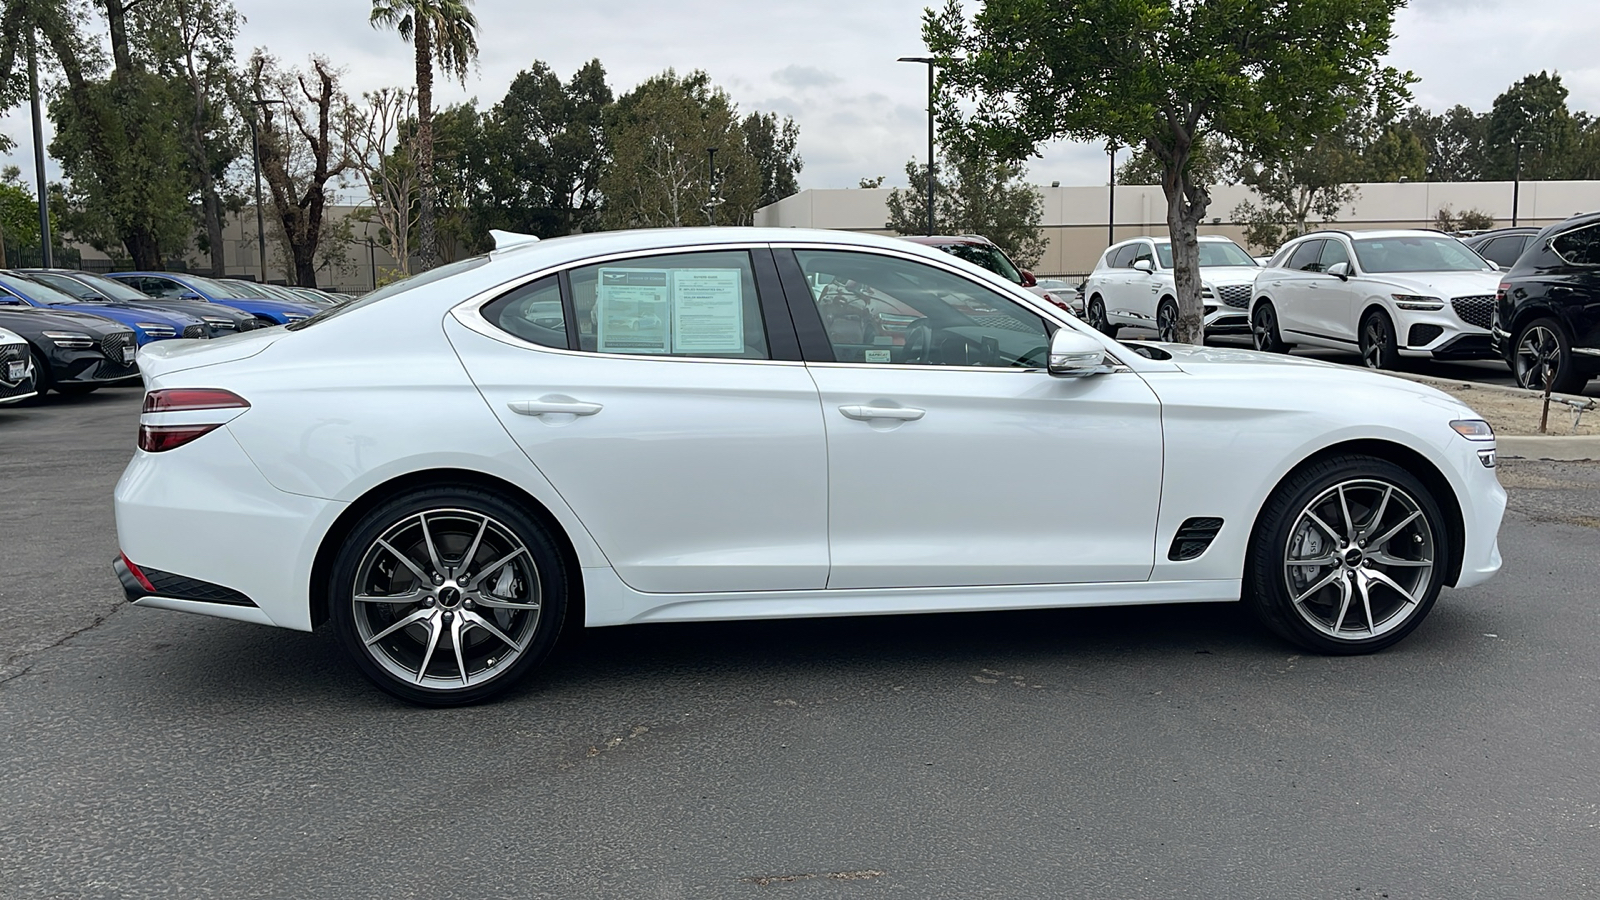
(146, 255)
(427, 255)
(1186, 207)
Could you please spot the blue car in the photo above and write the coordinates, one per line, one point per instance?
(147, 324)
(218, 291)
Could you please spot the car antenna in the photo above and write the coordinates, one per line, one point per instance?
(504, 240)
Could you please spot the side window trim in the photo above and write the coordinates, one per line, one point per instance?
(777, 311)
(568, 308)
(807, 319)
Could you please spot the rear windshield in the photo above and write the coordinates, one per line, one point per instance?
(390, 290)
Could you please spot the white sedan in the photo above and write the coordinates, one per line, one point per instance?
(681, 425)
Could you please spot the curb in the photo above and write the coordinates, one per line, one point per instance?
(1554, 447)
(1435, 381)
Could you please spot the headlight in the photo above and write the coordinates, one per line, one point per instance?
(70, 340)
(156, 329)
(1473, 429)
(1416, 301)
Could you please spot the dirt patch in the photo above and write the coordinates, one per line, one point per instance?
(1516, 412)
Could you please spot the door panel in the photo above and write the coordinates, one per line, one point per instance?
(693, 474)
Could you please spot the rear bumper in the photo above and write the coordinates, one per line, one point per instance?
(164, 590)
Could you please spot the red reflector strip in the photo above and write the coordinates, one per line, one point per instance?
(179, 399)
(137, 575)
(156, 438)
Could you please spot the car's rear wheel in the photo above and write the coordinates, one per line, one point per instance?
(1167, 320)
(1379, 349)
(1264, 329)
(1544, 353)
(448, 595)
(1098, 319)
(1348, 556)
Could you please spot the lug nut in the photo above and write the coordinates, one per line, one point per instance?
(428, 602)
(448, 615)
(438, 579)
(467, 603)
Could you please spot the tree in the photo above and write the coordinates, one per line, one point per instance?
(301, 158)
(385, 158)
(1210, 164)
(1533, 114)
(114, 136)
(191, 44)
(978, 194)
(1265, 76)
(772, 143)
(441, 33)
(540, 152)
(658, 174)
(1397, 155)
(873, 183)
(1300, 190)
(1466, 220)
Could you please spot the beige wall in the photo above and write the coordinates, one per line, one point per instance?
(1075, 217)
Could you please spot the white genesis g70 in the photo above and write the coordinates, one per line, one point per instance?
(697, 424)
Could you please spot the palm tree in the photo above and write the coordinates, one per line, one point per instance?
(442, 33)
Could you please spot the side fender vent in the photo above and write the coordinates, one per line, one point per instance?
(1193, 537)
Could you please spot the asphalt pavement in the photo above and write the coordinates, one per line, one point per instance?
(1171, 751)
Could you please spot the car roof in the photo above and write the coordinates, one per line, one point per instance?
(1377, 233)
(934, 240)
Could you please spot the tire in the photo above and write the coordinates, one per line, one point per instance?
(493, 614)
(1264, 329)
(1542, 346)
(1167, 320)
(42, 380)
(1379, 348)
(1097, 317)
(1331, 601)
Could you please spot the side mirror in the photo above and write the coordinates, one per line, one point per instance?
(1144, 265)
(1027, 278)
(1074, 355)
(1340, 270)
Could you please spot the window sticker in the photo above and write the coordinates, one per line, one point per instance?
(633, 310)
(707, 311)
(877, 356)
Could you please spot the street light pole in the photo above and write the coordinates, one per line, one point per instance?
(1111, 196)
(711, 186)
(45, 255)
(1516, 184)
(930, 62)
(261, 220)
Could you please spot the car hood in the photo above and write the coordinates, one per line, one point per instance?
(1229, 274)
(1443, 285)
(32, 320)
(162, 357)
(265, 305)
(146, 313)
(1228, 362)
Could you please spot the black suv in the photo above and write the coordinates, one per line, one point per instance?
(1547, 312)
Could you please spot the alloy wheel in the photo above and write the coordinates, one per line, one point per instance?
(1097, 315)
(446, 599)
(1359, 559)
(1538, 359)
(1375, 337)
(1167, 323)
(1263, 328)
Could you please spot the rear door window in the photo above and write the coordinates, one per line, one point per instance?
(1307, 257)
(1580, 247)
(683, 304)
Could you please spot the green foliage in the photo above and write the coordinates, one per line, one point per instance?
(19, 218)
(772, 143)
(537, 158)
(872, 183)
(1303, 190)
(1466, 220)
(977, 193)
(1210, 163)
(659, 173)
(1532, 113)
(1266, 77)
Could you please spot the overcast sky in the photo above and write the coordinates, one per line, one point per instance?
(830, 63)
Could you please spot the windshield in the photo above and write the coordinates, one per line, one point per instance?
(389, 290)
(1417, 253)
(988, 257)
(221, 289)
(1212, 253)
(36, 291)
(105, 287)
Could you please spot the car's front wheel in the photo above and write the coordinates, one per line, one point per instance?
(1348, 556)
(448, 595)
(1379, 348)
(1167, 320)
(1264, 329)
(1544, 356)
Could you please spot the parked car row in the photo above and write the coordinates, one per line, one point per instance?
(1527, 296)
(73, 332)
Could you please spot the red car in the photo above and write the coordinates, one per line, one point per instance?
(981, 251)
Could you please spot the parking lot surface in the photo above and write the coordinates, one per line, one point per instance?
(1147, 751)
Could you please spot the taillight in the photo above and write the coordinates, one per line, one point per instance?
(155, 437)
(180, 399)
(1501, 293)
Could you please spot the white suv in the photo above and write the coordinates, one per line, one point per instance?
(1132, 285)
(1387, 294)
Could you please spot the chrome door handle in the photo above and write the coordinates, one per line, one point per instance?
(554, 407)
(866, 413)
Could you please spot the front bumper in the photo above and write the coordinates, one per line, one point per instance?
(1227, 320)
